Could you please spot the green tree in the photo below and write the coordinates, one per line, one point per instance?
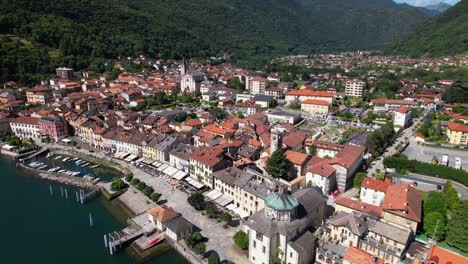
(277, 256)
(313, 150)
(214, 258)
(141, 186)
(218, 113)
(358, 179)
(196, 200)
(155, 197)
(192, 239)
(430, 222)
(211, 210)
(13, 141)
(236, 84)
(451, 194)
(225, 217)
(435, 202)
(129, 178)
(148, 191)
(295, 104)
(279, 166)
(118, 185)
(200, 249)
(135, 181)
(241, 239)
(457, 227)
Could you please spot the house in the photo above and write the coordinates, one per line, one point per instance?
(298, 160)
(284, 224)
(316, 107)
(321, 174)
(457, 134)
(159, 215)
(402, 205)
(264, 101)
(53, 127)
(190, 83)
(373, 190)
(178, 228)
(402, 117)
(248, 108)
(204, 162)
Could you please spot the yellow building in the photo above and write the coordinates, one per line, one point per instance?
(316, 107)
(457, 134)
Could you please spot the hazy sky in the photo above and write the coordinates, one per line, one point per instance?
(426, 2)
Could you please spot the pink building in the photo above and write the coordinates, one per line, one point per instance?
(53, 127)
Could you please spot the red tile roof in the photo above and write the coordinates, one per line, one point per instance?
(375, 184)
(316, 102)
(294, 139)
(403, 200)
(321, 167)
(209, 156)
(356, 255)
(457, 127)
(296, 157)
(26, 120)
(402, 110)
(440, 255)
(162, 213)
(360, 206)
(307, 92)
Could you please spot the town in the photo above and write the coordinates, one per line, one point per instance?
(352, 157)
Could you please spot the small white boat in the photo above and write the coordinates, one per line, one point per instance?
(62, 171)
(96, 180)
(78, 162)
(84, 165)
(65, 159)
(49, 155)
(42, 167)
(94, 166)
(74, 159)
(76, 173)
(58, 157)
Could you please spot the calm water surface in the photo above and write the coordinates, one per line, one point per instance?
(39, 228)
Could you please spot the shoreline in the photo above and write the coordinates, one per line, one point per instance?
(118, 209)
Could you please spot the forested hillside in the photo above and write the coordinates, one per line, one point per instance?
(87, 31)
(445, 34)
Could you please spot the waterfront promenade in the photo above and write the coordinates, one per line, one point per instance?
(219, 238)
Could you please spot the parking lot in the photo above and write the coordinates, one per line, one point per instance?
(425, 154)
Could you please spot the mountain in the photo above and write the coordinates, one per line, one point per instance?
(445, 34)
(85, 32)
(435, 9)
(423, 3)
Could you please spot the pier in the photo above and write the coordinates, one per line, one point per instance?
(116, 240)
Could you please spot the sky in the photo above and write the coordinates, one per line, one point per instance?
(426, 2)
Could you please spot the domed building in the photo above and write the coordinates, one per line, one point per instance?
(284, 227)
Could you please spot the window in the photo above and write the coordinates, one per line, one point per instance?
(259, 236)
(290, 255)
(255, 244)
(264, 249)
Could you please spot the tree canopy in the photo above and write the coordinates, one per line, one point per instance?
(279, 166)
(457, 227)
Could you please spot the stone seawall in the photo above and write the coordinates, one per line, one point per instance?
(75, 181)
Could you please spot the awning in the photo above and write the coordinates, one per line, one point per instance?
(218, 197)
(156, 164)
(131, 158)
(180, 175)
(140, 160)
(162, 167)
(240, 212)
(194, 183)
(231, 207)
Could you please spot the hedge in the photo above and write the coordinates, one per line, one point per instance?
(402, 163)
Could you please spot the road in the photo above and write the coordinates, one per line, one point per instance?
(390, 151)
(428, 183)
(425, 154)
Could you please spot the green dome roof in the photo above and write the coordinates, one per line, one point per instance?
(281, 201)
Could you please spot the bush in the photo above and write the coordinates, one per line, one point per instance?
(148, 191)
(403, 163)
(200, 249)
(211, 210)
(225, 217)
(241, 239)
(135, 181)
(214, 258)
(358, 179)
(129, 178)
(155, 197)
(118, 185)
(141, 186)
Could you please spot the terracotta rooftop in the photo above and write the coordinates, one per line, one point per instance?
(356, 255)
(316, 102)
(402, 110)
(307, 92)
(440, 255)
(26, 120)
(162, 213)
(375, 184)
(296, 157)
(403, 200)
(457, 127)
(321, 167)
(360, 206)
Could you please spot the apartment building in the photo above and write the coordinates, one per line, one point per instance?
(354, 88)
